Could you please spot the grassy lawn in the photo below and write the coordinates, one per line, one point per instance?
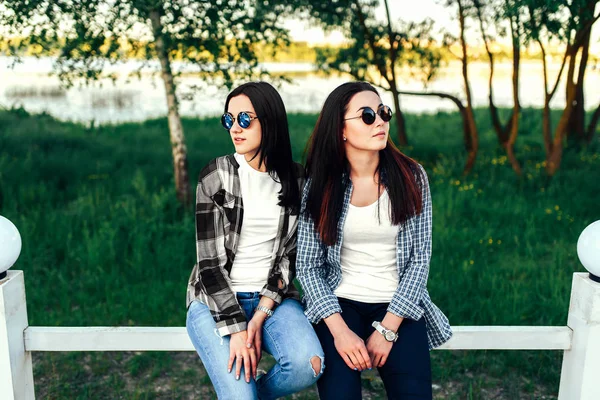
(105, 243)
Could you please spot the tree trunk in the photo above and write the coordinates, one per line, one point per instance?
(461, 109)
(555, 156)
(501, 131)
(470, 116)
(591, 129)
(514, 121)
(400, 122)
(576, 127)
(178, 147)
(546, 126)
(546, 122)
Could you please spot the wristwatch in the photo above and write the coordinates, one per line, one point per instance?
(388, 334)
(266, 310)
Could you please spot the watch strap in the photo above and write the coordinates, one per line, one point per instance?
(266, 310)
(377, 325)
(383, 330)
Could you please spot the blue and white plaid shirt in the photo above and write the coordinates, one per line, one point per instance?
(319, 268)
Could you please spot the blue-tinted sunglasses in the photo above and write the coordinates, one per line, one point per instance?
(243, 119)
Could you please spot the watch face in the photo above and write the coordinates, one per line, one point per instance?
(390, 336)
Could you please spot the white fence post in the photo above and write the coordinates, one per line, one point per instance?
(580, 375)
(16, 372)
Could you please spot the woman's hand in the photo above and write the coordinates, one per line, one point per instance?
(254, 339)
(378, 349)
(255, 325)
(348, 344)
(241, 354)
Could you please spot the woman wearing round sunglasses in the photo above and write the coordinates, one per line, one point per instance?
(364, 244)
(241, 296)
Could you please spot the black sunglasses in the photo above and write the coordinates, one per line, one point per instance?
(369, 116)
(243, 119)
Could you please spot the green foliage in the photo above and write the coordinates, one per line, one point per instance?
(376, 47)
(218, 38)
(547, 20)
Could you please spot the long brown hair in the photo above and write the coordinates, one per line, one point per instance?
(328, 170)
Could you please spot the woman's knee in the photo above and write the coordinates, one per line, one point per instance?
(305, 369)
(317, 366)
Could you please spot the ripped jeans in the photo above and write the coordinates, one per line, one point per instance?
(287, 336)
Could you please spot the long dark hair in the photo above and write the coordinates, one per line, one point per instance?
(328, 169)
(275, 149)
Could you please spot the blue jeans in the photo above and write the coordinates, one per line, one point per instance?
(287, 336)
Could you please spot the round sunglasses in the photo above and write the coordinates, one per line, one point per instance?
(243, 120)
(369, 115)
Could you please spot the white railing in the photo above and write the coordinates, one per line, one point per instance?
(580, 340)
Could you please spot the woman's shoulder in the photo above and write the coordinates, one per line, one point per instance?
(419, 171)
(222, 163)
(217, 170)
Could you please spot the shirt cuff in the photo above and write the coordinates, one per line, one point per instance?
(230, 326)
(402, 307)
(327, 306)
(267, 291)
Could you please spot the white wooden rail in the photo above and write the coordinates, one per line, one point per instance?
(580, 340)
(176, 339)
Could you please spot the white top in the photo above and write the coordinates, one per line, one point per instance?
(368, 254)
(253, 257)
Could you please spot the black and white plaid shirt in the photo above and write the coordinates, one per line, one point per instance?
(219, 216)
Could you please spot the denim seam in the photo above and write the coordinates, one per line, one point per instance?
(209, 354)
(266, 377)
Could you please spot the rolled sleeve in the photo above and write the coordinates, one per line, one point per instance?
(272, 293)
(231, 326)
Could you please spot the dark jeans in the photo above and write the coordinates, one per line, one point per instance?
(406, 374)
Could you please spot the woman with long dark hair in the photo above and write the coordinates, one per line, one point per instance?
(364, 245)
(241, 296)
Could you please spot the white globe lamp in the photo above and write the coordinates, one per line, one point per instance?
(588, 250)
(10, 245)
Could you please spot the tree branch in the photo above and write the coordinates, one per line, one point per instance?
(370, 39)
(443, 95)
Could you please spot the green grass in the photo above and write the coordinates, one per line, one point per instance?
(105, 243)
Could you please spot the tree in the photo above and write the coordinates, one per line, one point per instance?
(464, 10)
(583, 12)
(376, 50)
(570, 23)
(215, 39)
(492, 15)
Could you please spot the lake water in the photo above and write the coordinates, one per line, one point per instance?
(29, 85)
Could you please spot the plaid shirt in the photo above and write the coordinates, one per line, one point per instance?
(219, 215)
(320, 273)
